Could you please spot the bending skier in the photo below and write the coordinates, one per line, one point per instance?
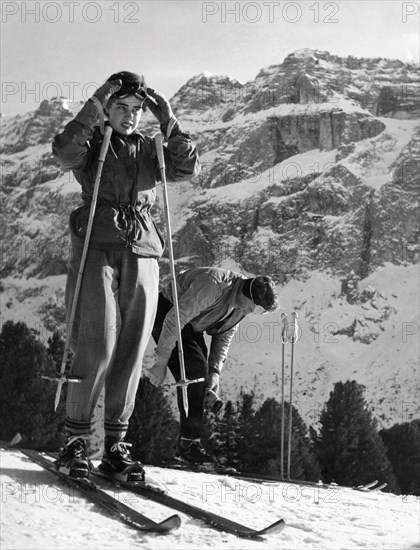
(214, 301)
(118, 297)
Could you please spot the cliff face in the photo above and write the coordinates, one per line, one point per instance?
(309, 171)
(351, 209)
(256, 133)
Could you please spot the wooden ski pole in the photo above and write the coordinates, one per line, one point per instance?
(294, 339)
(62, 378)
(183, 383)
(283, 344)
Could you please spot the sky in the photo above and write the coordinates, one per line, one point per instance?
(69, 48)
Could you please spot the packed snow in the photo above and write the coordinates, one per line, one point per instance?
(39, 512)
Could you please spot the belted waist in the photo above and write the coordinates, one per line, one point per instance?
(130, 219)
(119, 225)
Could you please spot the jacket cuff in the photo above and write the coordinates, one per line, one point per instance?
(217, 369)
(100, 110)
(88, 115)
(172, 128)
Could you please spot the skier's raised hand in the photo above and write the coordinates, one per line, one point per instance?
(159, 106)
(104, 92)
(161, 109)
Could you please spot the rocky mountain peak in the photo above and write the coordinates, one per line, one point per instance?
(37, 127)
(55, 106)
(205, 92)
(381, 86)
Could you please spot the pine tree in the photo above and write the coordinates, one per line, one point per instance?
(27, 399)
(349, 447)
(153, 429)
(211, 436)
(227, 427)
(56, 350)
(265, 443)
(245, 418)
(402, 442)
(304, 462)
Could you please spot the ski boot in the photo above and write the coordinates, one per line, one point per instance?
(72, 458)
(118, 464)
(192, 455)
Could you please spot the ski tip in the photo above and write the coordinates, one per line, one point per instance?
(273, 529)
(17, 438)
(276, 527)
(366, 486)
(171, 523)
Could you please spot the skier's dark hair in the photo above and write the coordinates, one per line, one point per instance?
(132, 83)
(261, 290)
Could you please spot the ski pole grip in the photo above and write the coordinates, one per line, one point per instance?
(159, 150)
(283, 328)
(295, 336)
(105, 143)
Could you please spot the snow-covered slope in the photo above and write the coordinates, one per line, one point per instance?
(333, 345)
(38, 513)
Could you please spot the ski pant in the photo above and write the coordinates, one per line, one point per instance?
(196, 366)
(113, 324)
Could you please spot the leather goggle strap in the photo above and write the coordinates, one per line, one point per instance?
(140, 93)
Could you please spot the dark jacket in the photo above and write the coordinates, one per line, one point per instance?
(127, 190)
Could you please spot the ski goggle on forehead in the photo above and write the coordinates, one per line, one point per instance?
(259, 310)
(131, 89)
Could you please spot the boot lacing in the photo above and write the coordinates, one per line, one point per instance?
(78, 449)
(121, 448)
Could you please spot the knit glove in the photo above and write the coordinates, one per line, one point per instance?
(213, 383)
(161, 109)
(212, 399)
(157, 373)
(104, 92)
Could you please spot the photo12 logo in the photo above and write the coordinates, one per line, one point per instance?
(70, 12)
(251, 493)
(29, 493)
(39, 91)
(408, 10)
(270, 12)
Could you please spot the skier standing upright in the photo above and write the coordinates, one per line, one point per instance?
(118, 296)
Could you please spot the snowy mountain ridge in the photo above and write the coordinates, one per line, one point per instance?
(310, 174)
